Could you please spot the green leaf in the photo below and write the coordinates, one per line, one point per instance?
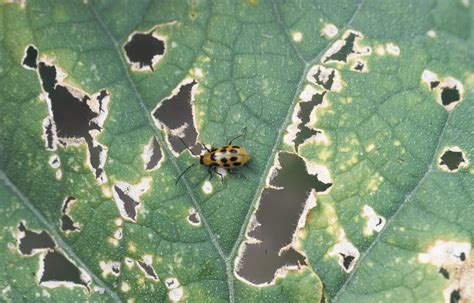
(374, 96)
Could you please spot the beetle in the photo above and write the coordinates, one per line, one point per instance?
(228, 157)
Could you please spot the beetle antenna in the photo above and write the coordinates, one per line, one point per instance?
(182, 174)
(241, 135)
(187, 147)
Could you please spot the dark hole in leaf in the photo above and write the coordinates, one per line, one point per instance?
(155, 156)
(67, 224)
(455, 296)
(33, 240)
(278, 214)
(142, 48)
(72, 116)
(305, 115)
(30, 57)
(49, 134)
(326, 84)
(58, 268)
(444, 272)
(345, 51)
(176, 112)
(359, 66)
(116, 269)
(434, 84)
(347, 260)
(450, 95)
(150, 272)
(452, 159)
(129, 204)
(193, 218)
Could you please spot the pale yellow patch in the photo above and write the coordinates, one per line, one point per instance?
(329, 30)
(297, 37)
(431, 34)
(131, 247)
(370, 147)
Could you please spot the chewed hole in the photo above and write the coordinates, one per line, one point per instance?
(450, 95)
(144, 50)
(452, 159)
(31, 55)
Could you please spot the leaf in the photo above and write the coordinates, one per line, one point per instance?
(375, 97)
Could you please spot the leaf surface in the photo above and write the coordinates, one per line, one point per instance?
(394, 82)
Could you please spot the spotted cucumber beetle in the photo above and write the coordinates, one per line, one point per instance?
(227, 157)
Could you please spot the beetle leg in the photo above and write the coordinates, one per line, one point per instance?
(220, 175)
(209, 171)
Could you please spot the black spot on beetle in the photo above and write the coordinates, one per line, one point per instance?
(237, 163)
(235, 146)
(223, 151)
(233, 151)
(233, 158)
(224, 160)
(213, 156)
(226, 165)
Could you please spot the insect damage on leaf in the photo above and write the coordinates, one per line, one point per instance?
(449, 91)
(175, 291)
(346, 252)
(193, 217)
(55, 269)
(30, 58)
(300, 130)
(452, 159)
(110, 268)
(329, 31)
(30, 242)
(147, 268)
(176, 115)
(127, 197)
(144, 50)
(269, 250)
(55, 163)
(74, 117)
(375, 222)
(346, 48)
(152, 155)
(455, 264)
(360, 66)
(207, 186)
(328, 78)
(67, 224)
